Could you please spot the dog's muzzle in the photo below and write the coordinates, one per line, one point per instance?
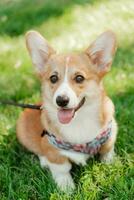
(65, 115)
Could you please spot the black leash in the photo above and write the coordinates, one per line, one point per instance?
(31, 106)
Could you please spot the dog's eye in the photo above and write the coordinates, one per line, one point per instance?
(79, 79)
(54, 79)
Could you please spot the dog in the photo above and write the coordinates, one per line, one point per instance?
(77, 117)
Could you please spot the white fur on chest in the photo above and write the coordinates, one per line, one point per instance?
(84, 128)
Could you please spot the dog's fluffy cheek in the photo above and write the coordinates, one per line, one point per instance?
(92, 90)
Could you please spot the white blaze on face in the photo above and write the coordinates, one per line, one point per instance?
(64, 89)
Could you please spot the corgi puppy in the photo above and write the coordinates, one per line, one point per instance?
(76, 119)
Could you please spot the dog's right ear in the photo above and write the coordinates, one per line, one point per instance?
(39, 50)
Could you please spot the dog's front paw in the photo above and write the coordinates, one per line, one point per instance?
(108, 158)
(65, 182)
(43, 161)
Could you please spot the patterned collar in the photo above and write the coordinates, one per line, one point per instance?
(90, 148)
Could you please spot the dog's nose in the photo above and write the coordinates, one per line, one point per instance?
(62, 101)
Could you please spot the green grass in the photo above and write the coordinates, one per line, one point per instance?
(68, 25)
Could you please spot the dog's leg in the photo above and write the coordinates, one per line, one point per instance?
(107, 150)
(60, 173)
(108, 157)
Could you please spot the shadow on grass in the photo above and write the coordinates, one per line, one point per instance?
(16, 17)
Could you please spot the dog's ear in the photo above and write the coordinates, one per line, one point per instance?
(101, 52)
(39, 50)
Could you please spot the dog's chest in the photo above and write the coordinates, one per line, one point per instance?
(82, 133)
(84, 128)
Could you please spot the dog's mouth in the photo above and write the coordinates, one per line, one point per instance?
(66, 115)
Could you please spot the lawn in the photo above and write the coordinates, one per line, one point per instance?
(68, 25)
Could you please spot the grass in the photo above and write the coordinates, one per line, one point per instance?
(68, 25)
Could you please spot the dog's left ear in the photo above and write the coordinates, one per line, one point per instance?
(101, 52)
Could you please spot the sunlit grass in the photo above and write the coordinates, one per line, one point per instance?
(73, 29)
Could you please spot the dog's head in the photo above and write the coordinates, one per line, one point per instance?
(72, 80)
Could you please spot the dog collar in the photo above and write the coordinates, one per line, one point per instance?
(90, 148)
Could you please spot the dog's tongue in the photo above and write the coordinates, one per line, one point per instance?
(65, 115)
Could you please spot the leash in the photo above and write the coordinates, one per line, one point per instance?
(31, 106)
(22, 105)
